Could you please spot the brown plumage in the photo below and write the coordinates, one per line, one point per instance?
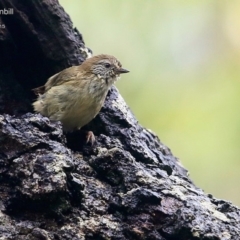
(75, 95)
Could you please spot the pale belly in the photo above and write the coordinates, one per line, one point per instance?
(79, 115)
(74, 112)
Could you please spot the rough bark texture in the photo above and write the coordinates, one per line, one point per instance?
(128, 186)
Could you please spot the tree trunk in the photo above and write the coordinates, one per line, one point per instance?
(127, 186)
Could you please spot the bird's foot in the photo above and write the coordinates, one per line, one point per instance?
(90, 138)
(78, 139)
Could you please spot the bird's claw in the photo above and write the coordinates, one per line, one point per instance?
(90, 138)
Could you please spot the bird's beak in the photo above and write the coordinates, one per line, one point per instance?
(121, 70)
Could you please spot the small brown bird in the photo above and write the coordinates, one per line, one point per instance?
(75, 95)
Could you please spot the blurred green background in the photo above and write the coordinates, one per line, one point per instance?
(184, 82)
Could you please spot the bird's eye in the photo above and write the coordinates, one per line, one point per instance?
(107, 65)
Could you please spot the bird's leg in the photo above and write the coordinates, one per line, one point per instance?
(90, 138)
(77, 139)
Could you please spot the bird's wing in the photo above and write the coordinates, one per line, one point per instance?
(66, 75)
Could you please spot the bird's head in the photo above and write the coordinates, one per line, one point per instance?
(105, 67)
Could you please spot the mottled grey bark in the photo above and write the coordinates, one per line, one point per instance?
(128, 186)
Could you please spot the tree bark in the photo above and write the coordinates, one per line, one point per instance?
(127, 186)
